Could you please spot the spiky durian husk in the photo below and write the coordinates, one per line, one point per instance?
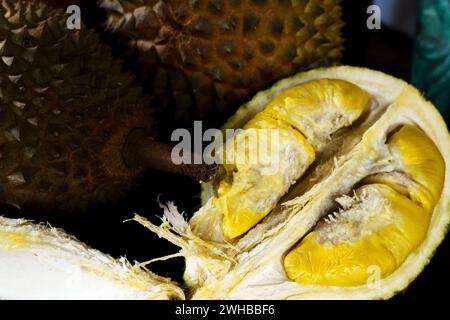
(65, 109)
(211, 55)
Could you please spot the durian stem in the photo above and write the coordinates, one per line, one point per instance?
(142, 150)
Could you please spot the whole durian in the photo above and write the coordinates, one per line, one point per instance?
(211, 55)
(66, 110)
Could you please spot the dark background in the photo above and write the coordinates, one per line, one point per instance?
(102, 227)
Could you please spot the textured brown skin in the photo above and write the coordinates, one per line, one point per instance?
(211, 55)
(65, 111)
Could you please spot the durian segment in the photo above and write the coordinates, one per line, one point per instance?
(38, 262)
(379, 229)
(319, 108)
(248, 191)
(421, 167)
(389, 228)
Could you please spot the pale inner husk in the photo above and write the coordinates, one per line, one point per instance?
(39, 262)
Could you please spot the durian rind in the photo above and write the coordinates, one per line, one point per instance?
(41, 262)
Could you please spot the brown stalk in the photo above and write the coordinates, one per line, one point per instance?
(142, 150)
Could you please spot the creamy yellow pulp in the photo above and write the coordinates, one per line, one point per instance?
(304, 117)
(388, 220)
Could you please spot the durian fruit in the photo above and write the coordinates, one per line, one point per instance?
(40, 262)
(354, 206)
(211, 55)
(66, 110)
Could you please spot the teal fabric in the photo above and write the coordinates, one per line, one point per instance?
(431, 61)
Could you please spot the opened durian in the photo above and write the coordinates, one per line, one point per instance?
(354, 204)
(212, 55)
(40, 262)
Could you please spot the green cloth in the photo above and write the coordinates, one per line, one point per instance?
(431, 61)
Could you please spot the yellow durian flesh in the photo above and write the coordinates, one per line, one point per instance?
(342, 253)
(422, 164)
(319, 108)
(303, 117)
(381, 228)
(248, 193)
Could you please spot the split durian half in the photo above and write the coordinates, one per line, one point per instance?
(40, 262)
(354, 208)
